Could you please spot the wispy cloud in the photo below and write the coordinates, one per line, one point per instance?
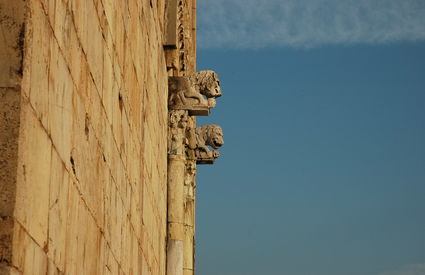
(308, 23)
(414, 269)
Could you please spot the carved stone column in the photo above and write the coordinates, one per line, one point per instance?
(175, 201)
(188, 96)
(189, 218)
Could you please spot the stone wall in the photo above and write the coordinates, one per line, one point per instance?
(86, 179)
(11, 53)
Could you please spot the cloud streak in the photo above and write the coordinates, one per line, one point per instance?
(414, 269)
(308, 23)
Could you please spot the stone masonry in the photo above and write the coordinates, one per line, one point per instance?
(84, 135)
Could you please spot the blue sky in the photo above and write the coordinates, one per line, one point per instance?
(308, 23)
(323, 167)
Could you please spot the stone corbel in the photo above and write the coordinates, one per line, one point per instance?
(208, 138)
(196, 93)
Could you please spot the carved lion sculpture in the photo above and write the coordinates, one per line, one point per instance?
(211, 135)
(183, 92)
(198, 89)
(206, 83)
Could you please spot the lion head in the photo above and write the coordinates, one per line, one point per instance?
(214, 136)
(207, 83)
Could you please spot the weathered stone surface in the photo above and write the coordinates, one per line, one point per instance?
(206, 83)
(33, 179)
(184, 96)
(12, 31)
(195, 93)
(171, 30)
(90, 179)
(6, 231)
(208, 135)
(28, 256)
(9, 131)
(189, 218)
(84, 136)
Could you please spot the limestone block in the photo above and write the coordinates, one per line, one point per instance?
(78, 135)
(155, 243)
(7, 270)
(28, 257)
(135, 102)
(100, 13)
(80, 18)
(126, 137)
(94, 110)
(161, 13)
(82, 82)
(33, 180)
(109, 12)
(119, 36)
(189, 233)
(67, 39)
(107, 91)
(155, 178)
(49, 9)
(94, 49)
(118, 71)
(134, 264)
(148, 216)
(60, 20)
(145, 267)
(83, 222)
(147, 156)
(125, 13)
(73, 229)
(86, 160)
(162, 256)
(117, 109)
(134, 162)
(60, 111)
(150, 258)
(126, 237)
(110, 265)
(114, 219)
(58, 210)
(145, 244)
(124, 191)
(135, 213)
(88, 243)
(52, 269)
(101, 255)
(111, 153)
(106, 22)
(93, 142)
(40, 41)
